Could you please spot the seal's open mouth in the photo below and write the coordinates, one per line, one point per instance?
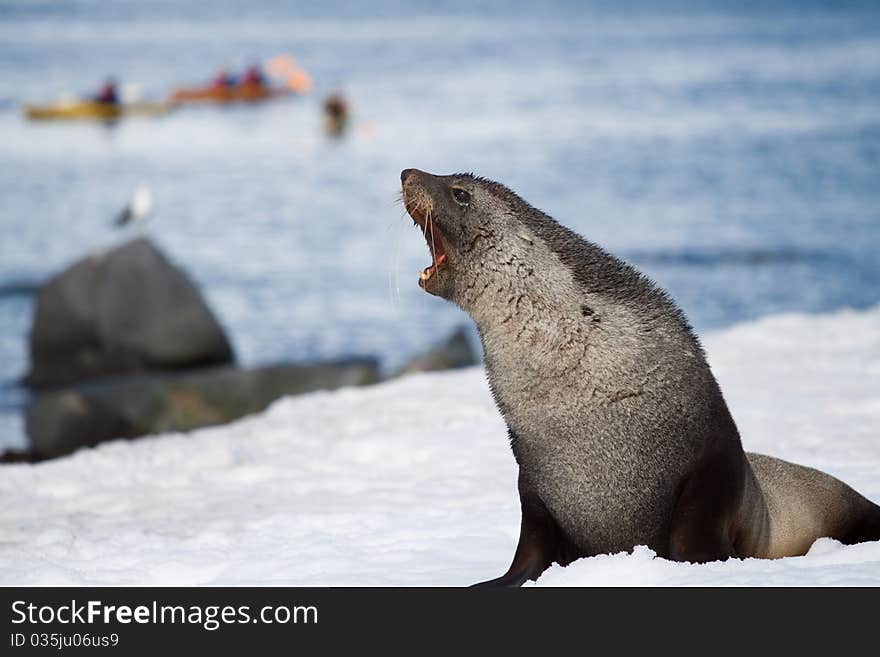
(435, 242)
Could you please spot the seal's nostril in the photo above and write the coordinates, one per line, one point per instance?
(405, 174)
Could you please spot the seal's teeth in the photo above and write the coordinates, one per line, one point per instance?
(425, 275)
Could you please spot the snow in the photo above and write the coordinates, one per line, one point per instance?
(412, 482)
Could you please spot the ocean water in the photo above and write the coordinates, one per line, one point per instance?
(732, 153)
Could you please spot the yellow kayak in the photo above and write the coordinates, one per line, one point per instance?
(75, 110)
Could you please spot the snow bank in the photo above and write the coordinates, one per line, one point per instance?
(412, 482)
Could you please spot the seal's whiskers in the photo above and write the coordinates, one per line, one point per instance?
(433, 246)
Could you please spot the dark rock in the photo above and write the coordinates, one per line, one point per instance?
(127, 310)
(62, 421)
(454, 353)
(18, 456)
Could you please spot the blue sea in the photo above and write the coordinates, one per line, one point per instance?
(730, 150)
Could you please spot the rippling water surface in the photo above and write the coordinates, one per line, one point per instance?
(733, 154)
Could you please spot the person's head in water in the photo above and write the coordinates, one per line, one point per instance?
(335, 114)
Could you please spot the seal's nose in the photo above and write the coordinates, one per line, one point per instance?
(406, 173)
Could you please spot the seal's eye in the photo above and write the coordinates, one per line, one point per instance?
(461, 197)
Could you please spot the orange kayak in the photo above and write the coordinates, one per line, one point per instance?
(239, 94)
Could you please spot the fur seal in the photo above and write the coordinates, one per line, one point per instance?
(620, 431)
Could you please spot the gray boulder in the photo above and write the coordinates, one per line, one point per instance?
(455, 352)
(62, 421)
(123, 311)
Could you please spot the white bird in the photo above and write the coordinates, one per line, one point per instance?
(140, 205)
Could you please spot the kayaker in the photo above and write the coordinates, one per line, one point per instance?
(223, 80)
(107, 95)
(253, 76)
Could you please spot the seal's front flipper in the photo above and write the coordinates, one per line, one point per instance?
(540, 543)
